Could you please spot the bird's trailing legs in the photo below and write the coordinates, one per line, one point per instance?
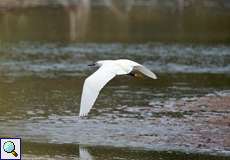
(133, 74)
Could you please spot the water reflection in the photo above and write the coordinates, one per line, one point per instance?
(82, 152)
(116, 21)
(79, 15)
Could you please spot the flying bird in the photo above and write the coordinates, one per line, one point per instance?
(108, 70)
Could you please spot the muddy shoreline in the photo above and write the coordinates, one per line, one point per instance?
(191, 125)
(207, 119)
(198, 125)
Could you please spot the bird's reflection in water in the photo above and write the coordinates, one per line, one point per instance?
(84, 154)
(33, 150)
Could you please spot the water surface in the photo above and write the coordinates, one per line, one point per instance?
(41, 84)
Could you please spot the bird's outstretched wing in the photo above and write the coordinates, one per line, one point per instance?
(93, 84)
(145, 71)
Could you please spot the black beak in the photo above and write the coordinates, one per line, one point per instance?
(93, 64)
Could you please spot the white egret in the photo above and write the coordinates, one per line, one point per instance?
(108, 70)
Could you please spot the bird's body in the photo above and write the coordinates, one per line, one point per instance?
(108, 70)
(124, 66)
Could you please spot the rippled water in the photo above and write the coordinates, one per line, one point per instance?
(40, 89)
(71, 59)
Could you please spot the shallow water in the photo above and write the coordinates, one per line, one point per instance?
(40, 89)
(70, 59)
(71, 151)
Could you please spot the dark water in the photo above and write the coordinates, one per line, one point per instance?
(40, 89)
(116, 21)
(71, 151)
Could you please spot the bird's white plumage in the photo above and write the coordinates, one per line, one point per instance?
(145, 71)
(108, 70)
(94, 83)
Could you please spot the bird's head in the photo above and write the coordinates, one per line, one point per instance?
(99, 63)
(96, 64)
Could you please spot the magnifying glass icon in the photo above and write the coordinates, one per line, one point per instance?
(9, 147)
